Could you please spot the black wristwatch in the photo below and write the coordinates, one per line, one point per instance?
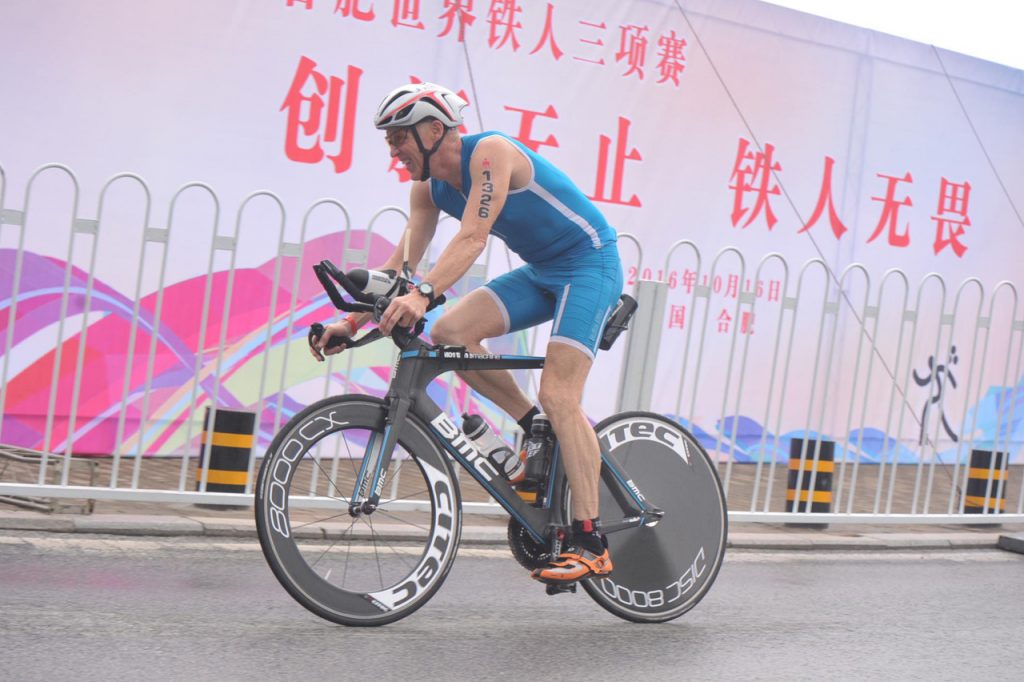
(426, 289)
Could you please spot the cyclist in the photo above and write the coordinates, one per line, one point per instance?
(573, 275)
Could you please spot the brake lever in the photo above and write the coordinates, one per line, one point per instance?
(379, 307)
(316, 330)
(383, 302)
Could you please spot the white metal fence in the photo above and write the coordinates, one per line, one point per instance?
(735, 353)
(855, 353)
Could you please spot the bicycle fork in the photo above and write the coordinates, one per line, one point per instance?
(373, 470)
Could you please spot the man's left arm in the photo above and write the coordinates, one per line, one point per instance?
(490, 169)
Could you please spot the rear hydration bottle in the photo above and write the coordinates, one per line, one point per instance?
(537, 449)
(493, 447)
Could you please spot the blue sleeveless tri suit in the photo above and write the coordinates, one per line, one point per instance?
(572, 275)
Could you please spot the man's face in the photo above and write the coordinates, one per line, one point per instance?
(402, 143)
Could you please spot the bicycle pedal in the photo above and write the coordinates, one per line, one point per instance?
(553, 589)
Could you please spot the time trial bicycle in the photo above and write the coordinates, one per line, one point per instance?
(359, 511)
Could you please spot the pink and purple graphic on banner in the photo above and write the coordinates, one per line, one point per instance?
(164, 351)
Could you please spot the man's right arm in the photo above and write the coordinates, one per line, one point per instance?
(423, 216)
(419, 231)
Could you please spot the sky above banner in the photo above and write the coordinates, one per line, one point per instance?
(986, 29)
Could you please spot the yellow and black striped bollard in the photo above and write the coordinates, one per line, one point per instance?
(799, 492)
(984, 477)
(226, 458)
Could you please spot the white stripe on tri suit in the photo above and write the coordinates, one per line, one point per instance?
(561, 309)
(566, 211)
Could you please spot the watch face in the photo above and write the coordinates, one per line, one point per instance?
(426, 289)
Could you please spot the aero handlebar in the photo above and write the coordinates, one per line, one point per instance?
(363, 302)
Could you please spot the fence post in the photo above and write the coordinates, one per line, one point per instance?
(643, 339)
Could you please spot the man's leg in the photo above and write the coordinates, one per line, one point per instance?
(561, 395)
(474, 318)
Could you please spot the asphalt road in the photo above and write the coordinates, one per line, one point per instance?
(110, 608)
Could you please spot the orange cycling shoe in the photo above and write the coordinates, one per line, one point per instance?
(574, 565)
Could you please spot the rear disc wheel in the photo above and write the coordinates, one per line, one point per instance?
(662, 571)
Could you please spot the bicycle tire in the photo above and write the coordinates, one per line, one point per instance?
(661, 572)
(369, 570)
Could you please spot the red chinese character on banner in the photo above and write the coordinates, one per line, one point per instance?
(308, 4)
(350, 8)
(747, 323)
(406, 13)
(752, 172)
(677, 316)
(671, 64)
(825, 199)
(732, 286)
(306, 117)
(526, 127)
(952, 218)
(689, 280)
(457, 10)
(502, 18)
(598, 42)
(890, 212)
(723, 321)
(548, 35)
(621, 156)
(633, 48)
(396, 166)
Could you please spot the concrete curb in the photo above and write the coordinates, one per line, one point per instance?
(37, 521)
(863, 542)
(164, 525)
(210, 526)
(1012, 543)
(130, 524)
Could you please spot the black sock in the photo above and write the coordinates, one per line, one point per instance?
(526, 423)
(587, 535)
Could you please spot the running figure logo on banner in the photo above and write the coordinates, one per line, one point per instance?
(937, 377)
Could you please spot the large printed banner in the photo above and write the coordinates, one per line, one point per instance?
(730, 123)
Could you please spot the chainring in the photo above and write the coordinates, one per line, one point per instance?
(528, 552)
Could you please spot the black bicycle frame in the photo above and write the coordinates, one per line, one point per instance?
(420, 363)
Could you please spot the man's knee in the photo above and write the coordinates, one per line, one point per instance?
(444, 331)
(471, 321)
(448, 329)
(563, 380)
(556, 400)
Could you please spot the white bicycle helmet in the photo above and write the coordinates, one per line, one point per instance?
(409, 104)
